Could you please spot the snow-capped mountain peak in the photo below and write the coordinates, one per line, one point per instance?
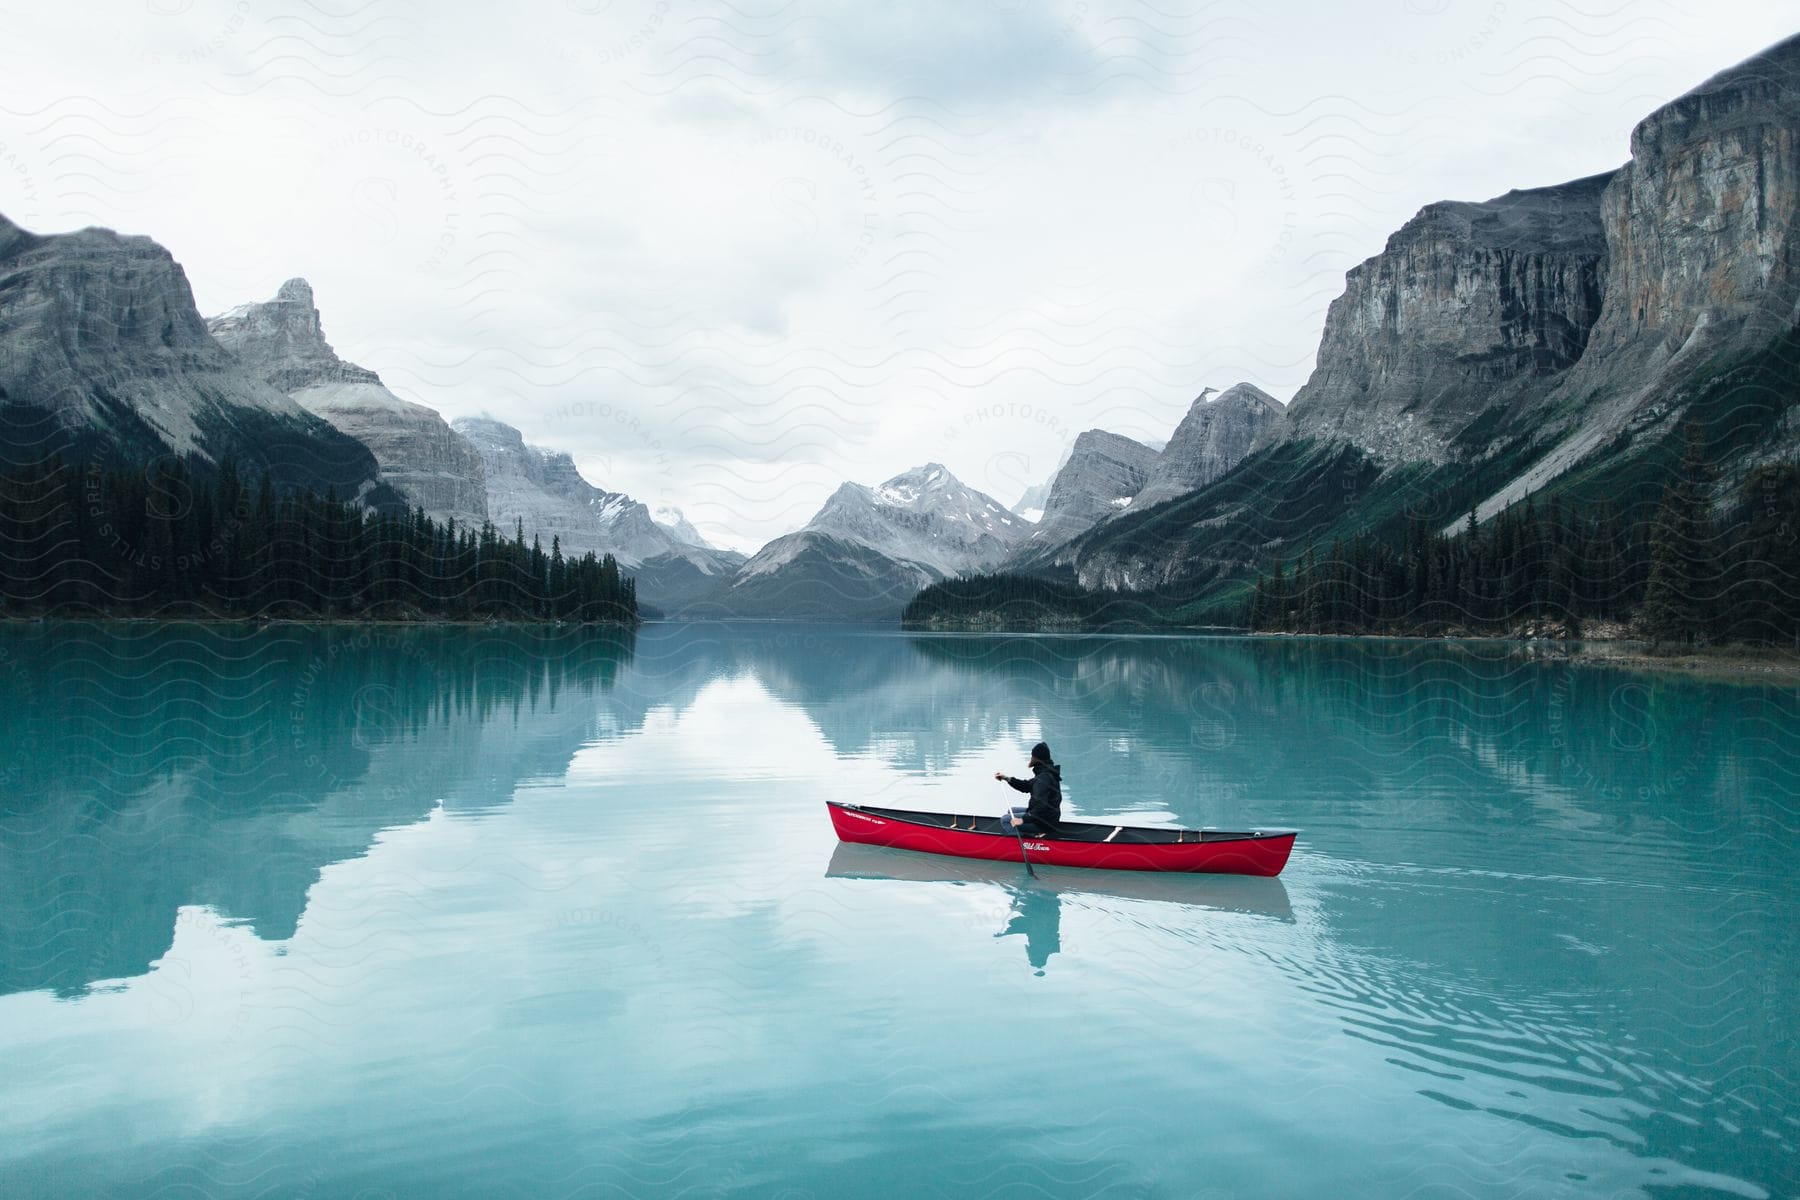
(909, 488)
(676, 522)
(925, 515)
(869, 549)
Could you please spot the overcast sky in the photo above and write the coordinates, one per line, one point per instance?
(730, 254)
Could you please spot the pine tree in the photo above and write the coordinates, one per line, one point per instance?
(1682, 551)
(1311, 615)
(1278, 602)
(179, 540)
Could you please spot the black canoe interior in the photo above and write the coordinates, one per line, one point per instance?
(1066, 831)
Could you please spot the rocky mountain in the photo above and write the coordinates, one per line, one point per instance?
(543, 491)
(1547, 340)
(1104, 472)
(1218, 433)
(925, 515)
(1106, 475)
(1469, 310)
(820, 576)
(283, 342)
(1702, 291)
(869, 549)
(103, 356)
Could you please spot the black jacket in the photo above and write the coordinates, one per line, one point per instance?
(1045, 809)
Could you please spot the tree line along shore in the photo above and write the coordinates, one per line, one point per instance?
(175, 540)
(1689, 576)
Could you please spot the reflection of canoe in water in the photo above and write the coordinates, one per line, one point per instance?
(1263, 897)
(1076, 844)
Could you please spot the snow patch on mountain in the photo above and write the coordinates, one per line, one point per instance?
(869, 549)
(925, 516)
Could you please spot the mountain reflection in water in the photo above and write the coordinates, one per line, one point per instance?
(529, 910)
(150, 768)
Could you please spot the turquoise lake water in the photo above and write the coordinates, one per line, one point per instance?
(391, 913)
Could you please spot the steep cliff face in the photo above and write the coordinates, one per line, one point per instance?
(1104, 472)
(1216, 435)
(283, 342)
(103, 354)
(1550, 339)
(1547, 339)
(1702, 220)
(545, 492)
(1288, 493)
(1703, 272)
(1471, 308)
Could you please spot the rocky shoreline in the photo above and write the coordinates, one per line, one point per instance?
(1611, 648)
(1718, 664)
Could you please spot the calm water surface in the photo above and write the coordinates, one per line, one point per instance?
(313, 912)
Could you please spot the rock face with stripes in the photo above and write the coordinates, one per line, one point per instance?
(103, 356)
(1217, 434)
(431, 465)
(1108, 476)
(1105, 472)
(543, 492)
(1469, 307)
(1702, 281)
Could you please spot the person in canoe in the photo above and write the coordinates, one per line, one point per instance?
(1039, 818)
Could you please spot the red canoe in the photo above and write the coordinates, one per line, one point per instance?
(1076, 844)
